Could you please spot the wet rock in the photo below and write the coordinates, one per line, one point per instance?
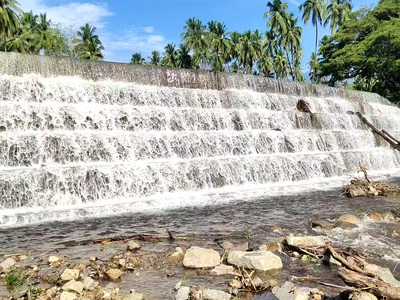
(363, 296)
(51, 293)
(68, 296)
(6, 264)
(305, 241)
(346, 225)
(296, 254)
(133, 246)
(53, 259)
(214, 295)
(73, 286)
(183, 293)
(114, 274)
(322, 224)
(384, 273)
(354, 191)
(375, 216)
(23, 257)
(288, 292)
(70, 274)
(177, 255)
(178, 285)
(257, 260)
(388, 216)
(92, 258)
(273, 246)
(89, 284)
(226, 245)
(222, 270)
(135, 296)
(197, 257)
(349, 218)
(372, 191)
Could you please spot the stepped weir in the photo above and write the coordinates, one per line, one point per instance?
(82, 138)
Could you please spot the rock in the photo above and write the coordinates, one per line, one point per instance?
(53, 259)
(122, 262)
(305, 241)
(322, 224)
(384, 273)
(92, 258)
(372, 191)
(178, 254)
(135, 296)
(6, 264)
(329, 260)
(226, 245)
(73, 286)
(132, 246)
(257, 260)
(70, 274)
(354, 191)
(214, 295)
(346, 225)
(363, 296)
(375, 216)
(274, 246)
(296, 254)
(68, 296)
(388, 216)
(89, 284)
(183, 293)
(23, 257)
(51, 293)
(222, 270)
(289, 292)
(114, 274)
(349, 218)
(178, 285)
(257, 281)
(317, 297)
(197, 257)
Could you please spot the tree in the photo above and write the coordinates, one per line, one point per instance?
(278, 17)
(313, 63)
(280, 64)
(137, 59)
(9, 14)
(339, 12)
(366, 49)
(184, 60)
(195, 36)
(316, 9)
(155, 58)
(249, 49)
(170, 56)
(220, 46)
(88, 44)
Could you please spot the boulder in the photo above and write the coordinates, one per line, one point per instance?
(73, 286)
(70, 274)
(322, 224)
(183, 293)
(197, 257)
(273, 246)
(68, 296)
(354, 191)
(135, 295)
(346, 225)
(6, 264)
(349, 218)
(133, 246)
(89, 284)
(375, 216)
(363, 296)
(383, 273)
(213, 295)
(305, 241)
(288, 292)
(114, 274)
(222, 270)
(257, 260)
(53, 259)
(178, 254)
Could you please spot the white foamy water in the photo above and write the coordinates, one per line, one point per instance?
(148, 139)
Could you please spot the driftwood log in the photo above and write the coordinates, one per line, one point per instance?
(375, 286)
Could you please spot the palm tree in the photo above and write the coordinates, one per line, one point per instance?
(314, 68)
(170, 56)
(280, 64)
(249, 49)
(277, 16)
(155, 58)
(264, 64)
(9, 13)
(220, 46)
(339, 12)
(137, 59)
(316, 9)
(183, 57)
(195, 36)
(291, 42)
(88, 44)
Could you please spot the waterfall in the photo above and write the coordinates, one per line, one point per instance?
(76, 135)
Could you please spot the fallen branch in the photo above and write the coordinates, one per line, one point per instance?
(347, 264)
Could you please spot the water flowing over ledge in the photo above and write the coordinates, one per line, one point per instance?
(80, 136)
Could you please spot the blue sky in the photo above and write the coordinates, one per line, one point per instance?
(126, 27)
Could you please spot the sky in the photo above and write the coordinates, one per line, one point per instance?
(127, 27)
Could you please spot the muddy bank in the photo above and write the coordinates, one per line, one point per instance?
(180, 267)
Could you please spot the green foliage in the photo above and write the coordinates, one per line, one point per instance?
(14, 280)
(88, 44)
(36, 293)
(137, 59)
(366, 49)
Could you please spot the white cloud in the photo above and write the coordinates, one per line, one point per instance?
(71, 14)
(149, 29)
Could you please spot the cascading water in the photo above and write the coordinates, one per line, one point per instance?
(119, 136)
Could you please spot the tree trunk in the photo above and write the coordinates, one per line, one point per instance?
(290, 65)
(5, 43)
(316, 37)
